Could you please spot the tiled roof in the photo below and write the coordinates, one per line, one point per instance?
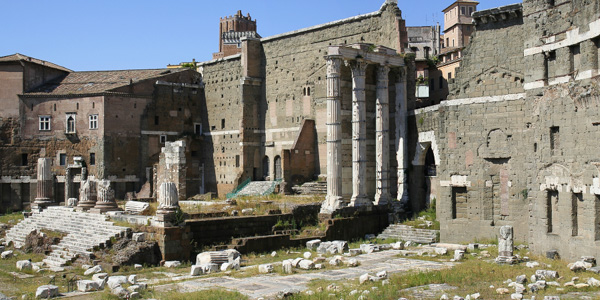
(21, 57)
(234, 37)
(93, 82)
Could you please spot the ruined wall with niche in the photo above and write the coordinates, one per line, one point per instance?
(523, 153)
(295, 86)
(563, 97)
(221, 126)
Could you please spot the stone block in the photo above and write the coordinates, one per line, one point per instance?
(196, 270)
(209, 268)
(116, 281)
(132, 279)
(93, 270)
(287, 266)
(307, 255)
(24, 265)
(226, 267)
(546, 274)
(6, 254)
(138, 237)
(172, 264)
(306, 264)
(87, 286)
(313, 244)
(352, 262)
(99, 276)
(46, 291)
(265, 268)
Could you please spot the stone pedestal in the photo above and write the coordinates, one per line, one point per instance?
(505, 246)
(44, 197)
(168, 204)
(106, 198)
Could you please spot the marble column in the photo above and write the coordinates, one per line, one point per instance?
(382, 139)
(359, 134)
(44, 184)
(401, 134)
(168, 203)
(87, 193)
(333, 200)
(105, 198)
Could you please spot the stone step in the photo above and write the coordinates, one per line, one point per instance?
(84, 231)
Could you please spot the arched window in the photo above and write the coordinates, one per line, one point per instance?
(70, 126)
(277, 167)
(265, 167)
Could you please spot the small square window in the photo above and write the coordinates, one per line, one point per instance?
(93, 121)
(44, 124)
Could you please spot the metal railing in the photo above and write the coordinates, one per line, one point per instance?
(234, 193)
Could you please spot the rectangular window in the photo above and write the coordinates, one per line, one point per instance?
(551, 206)
(463, 10)
(237, 161)
(92, 159)
(449, 75)
(163, 139)
(155, 120)
(93, 121)
(62, 159)
(470, 11)
(459, 202)
(24, 159)
(554, 139)
(222, 123)
(575, 58)
(578, 197)
(198, 129)
(44, 123)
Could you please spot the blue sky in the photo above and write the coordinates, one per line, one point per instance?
(136, 34)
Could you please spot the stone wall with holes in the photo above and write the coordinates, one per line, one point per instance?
(493, 61)
(221, 153)
(516, 143)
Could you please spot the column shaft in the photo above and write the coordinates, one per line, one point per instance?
(382, 140)
(401, 134)
(359, 134)
(334, 136)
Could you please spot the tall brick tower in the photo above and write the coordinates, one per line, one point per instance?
(231, 30)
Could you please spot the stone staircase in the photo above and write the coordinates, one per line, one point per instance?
(311, 188)
(409, 233)
(84, 232)
(256, 188)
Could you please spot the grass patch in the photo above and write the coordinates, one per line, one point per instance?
(11, 218)
(425, 219)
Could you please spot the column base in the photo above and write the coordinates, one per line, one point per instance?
(99, 209)
(382, 199)
(332, 203)
(41, 203)
(360, 201)
(82, 205)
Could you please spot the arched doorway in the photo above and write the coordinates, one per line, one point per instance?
(277, 167)
(430, 172)
(265, 167)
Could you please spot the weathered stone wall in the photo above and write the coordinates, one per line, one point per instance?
(295, 85)
(493, 62)
(516, 142)
(222, 123)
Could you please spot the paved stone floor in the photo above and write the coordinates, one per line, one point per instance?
(269, 285)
